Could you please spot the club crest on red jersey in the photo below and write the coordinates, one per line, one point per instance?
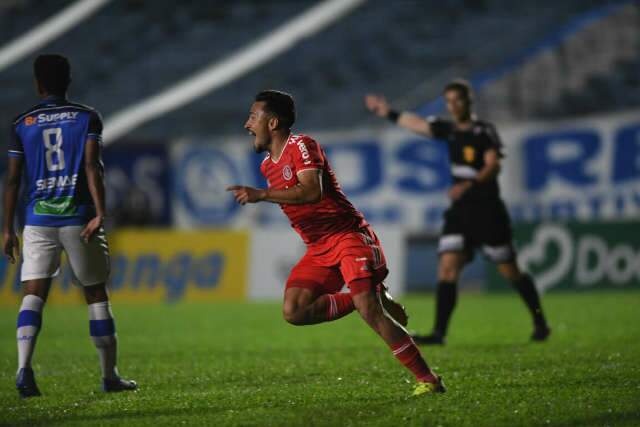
(287, 173)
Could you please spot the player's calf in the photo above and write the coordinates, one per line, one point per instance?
(326, 308)
(300, 308)
(368, 305)
(28, 327)
(526, 288)
(392, 307)
(103, 333)
(401, 344)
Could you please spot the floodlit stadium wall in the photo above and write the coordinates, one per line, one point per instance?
(573, 188)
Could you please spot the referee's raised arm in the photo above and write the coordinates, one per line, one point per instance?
(379, 106)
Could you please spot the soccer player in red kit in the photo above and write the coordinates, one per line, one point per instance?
(341, 246)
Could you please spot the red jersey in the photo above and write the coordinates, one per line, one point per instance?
(314, 222)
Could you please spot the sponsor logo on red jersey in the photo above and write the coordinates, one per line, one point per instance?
(287, 174)
(303, 150)
(331, 215)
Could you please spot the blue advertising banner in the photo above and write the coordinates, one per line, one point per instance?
(138, 183)
(587, 169)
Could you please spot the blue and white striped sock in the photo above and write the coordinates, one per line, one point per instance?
(29, 324)
(103, 333)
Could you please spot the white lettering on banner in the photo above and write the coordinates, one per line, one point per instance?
(618, 265)
(622, 264)
(591, 246)
(591, 257)
(536, 253)
(587, 169)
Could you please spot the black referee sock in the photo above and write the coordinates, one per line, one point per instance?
(446, 298)
(527, 290)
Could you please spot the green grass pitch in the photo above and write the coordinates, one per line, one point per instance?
(240, 364)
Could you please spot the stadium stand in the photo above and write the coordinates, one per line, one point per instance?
(163, 41)
(594, 70)
(393, 50)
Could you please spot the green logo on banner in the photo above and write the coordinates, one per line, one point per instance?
(579, 256)
(59, 206)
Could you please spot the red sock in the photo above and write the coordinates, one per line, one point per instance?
(339, 305)
(408, 354)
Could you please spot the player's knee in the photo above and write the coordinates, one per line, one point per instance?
(448, 273)
(510, 271)
(37, 287)
(292, 314)
(96, 293)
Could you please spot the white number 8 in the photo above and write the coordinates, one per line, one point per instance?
(56, 148)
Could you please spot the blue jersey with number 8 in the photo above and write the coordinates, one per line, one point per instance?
(51, 137)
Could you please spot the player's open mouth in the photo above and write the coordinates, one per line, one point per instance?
(252, 133)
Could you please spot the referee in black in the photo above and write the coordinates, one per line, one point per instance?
(477, 217)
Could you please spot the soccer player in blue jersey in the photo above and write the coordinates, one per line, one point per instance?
(57, 143)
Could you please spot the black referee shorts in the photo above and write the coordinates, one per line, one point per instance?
(483, 224)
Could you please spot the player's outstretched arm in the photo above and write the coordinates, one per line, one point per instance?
(491, 167)
(379, 106)
(307, 190)
(95, 182)
(10, 242)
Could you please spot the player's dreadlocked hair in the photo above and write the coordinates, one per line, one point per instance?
(461, 86)
(280, 104)
(53, 73)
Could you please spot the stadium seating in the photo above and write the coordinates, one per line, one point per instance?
(163, 41)
(400, 50)
(594, 70)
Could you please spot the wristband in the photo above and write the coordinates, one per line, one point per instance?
(393, 116)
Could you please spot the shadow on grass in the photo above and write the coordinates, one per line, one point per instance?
(366, 408)
(214, 415)
(631, 418)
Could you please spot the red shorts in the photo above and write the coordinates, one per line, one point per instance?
(343, 258)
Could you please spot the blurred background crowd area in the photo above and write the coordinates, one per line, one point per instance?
(132, 49)
(561, 79)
